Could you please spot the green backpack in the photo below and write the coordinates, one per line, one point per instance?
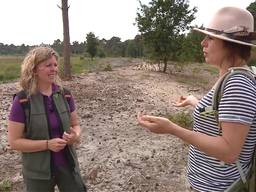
(247, 182)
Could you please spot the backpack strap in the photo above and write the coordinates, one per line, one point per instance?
(218, 92)
(24, 101)
(67, 96)
(219, 86)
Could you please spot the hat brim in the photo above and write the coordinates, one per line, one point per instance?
(223, 37)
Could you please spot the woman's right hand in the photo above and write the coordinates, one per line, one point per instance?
(56, 144)
(155, 124)
(186, 100)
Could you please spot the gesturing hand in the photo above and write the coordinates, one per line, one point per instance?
(185, 101)
(155, 124)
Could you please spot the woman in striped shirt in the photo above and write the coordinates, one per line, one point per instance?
(213, 152)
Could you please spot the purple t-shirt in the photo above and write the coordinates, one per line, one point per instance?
(17, 114)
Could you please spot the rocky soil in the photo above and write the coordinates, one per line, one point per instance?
(115, 154)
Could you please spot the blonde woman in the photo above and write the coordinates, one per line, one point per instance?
(43, 125)
(216, 146)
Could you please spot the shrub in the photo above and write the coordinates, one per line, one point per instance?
(5, 185)
(184, 119)
(107, 68)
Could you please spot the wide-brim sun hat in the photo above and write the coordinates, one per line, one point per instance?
(232, 24)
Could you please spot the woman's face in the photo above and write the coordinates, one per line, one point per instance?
(46, 71)
(214, 51)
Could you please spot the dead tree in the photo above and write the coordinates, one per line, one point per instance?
(66, 39)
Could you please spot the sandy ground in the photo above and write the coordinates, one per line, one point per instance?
(115, 154)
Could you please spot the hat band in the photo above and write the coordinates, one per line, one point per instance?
(242, 35)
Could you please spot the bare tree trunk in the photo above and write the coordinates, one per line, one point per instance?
(66, 41)
(165, 64)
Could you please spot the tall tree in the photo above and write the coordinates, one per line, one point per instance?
(161, 24)
(66, 39)
(91, 44)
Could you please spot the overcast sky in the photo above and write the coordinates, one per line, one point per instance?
(40, 21)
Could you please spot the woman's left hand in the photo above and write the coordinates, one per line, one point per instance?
(71, 137)
(155, 124)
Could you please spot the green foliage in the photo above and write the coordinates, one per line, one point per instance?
(101, 53)
(12, 49)
(131, 48)
(77, 48)
(191, 47)
(161, 25)
(91, 44)
(58, 46)
(184, 119)
(5, 186)
(134, 47)
(107, 67)
(114, 47)
(252, 62)
(252, 9)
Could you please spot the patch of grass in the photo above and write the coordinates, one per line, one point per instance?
(107, 68)
(10, 67)
(192, 80)
(6, 186)
(184, 119)
(199, 68)
(79, 65)
(212, 70)
(196, 70)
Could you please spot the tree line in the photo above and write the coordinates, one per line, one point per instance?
(114, 47)
(165, 34)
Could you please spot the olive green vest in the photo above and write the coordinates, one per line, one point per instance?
(37, 165)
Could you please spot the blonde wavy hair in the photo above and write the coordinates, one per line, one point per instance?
(37, 55)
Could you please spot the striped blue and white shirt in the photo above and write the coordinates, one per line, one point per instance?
(238, 104)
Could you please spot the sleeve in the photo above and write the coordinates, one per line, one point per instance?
(17, 113)
(238, 101)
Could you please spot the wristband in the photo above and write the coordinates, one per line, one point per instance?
(47, 144)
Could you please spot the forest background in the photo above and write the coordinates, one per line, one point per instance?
(165, 35)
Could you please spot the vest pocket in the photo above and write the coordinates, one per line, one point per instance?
(40, 127)
(36, 165)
